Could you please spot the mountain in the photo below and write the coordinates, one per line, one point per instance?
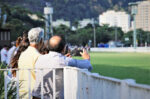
(72, 9)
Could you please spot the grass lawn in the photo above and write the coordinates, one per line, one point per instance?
(123, 65)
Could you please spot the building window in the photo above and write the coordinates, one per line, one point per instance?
(8, 35)
(5, 36)
(1, 35)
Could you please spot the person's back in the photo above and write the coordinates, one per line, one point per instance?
(27, 60)
(47, 63)
(55, 59)
(28, 57)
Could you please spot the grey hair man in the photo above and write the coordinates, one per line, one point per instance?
(28, 58)
(56, 59)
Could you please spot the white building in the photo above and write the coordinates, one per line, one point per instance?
(113, 18)
(83, 23)
(61, 22)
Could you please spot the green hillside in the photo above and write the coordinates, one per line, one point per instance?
(72, 9)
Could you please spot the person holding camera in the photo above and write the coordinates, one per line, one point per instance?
(56, 59)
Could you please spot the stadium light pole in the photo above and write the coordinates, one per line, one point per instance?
(51, 19)
(134, 11)
(116, 36)
(0, 13)
(93, 24)
(48, 11)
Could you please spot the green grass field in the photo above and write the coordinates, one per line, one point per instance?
(123, 65)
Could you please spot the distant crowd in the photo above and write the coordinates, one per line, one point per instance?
(31, 52)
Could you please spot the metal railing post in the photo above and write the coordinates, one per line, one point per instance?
(5, 83)
(29, 86)
(17, 72)
(42, 96)
(54, 86)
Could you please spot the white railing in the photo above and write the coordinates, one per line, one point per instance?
(121, 49)
(6, 81)
(81, 84)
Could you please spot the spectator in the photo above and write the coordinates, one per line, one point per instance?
(19, 49)
(10, 53)
(27, 60)
(4, 54)
(54, 59)
(13, 50)
(18, 42)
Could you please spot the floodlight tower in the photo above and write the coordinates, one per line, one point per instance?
(48, 11)
(134, 10)
(93, 24)
(0, 13)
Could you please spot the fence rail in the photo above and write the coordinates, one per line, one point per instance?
(29, 81)
(122, 49)
(81, 84)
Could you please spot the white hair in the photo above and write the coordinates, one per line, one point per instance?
(35, 35)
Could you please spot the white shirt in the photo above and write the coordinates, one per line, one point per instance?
(54, 60)
(3, 55)
(16, 50)
(10, 54)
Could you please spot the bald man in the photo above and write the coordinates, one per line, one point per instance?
(56, 59)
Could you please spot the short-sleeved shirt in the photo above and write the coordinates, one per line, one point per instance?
(27, 60)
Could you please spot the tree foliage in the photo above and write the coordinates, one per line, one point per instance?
(81, 36)
(18, 20)
(73, 9)
(143, 37)
(104, 34)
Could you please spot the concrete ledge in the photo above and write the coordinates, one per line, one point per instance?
(122, 49)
